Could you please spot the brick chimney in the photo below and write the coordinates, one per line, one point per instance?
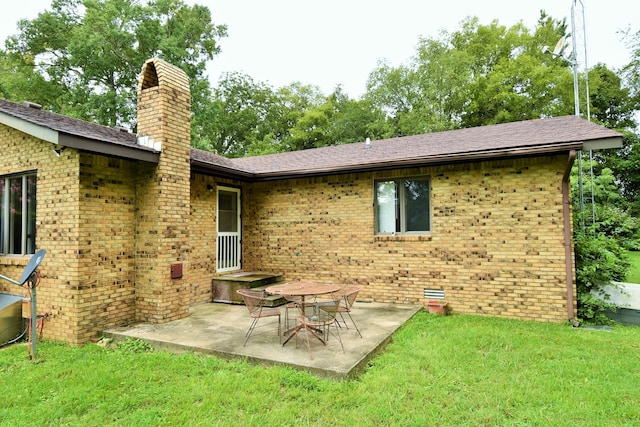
(162, 199)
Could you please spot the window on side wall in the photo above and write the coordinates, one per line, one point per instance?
(402, 206)
(18, 214)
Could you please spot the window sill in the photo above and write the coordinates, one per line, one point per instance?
(402, 238)
(19, 260)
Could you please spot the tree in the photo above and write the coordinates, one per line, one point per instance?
(513, 79)
(243, 113)
(336, 119)
(631, 71)
(251, 118)
(625, 163)
(479, 75)
(86, 55)
(611, 103)
(355, 120)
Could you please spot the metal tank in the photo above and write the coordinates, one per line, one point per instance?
(11, 323)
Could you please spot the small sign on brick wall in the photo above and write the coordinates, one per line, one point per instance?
(176, 271)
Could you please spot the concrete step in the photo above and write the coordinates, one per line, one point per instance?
(272, 300)
(225, 287)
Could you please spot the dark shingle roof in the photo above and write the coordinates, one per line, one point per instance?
(487, 142)
(527, 138)
(77, 133)
(213, 164)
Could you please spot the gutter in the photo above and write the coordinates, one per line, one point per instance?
(129, 152)
(362, 166)
(211, 169)
(566, 214)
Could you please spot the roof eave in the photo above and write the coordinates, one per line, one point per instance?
(423, 161)
(220, 171)
(109, 149)
(603, 143)
(86, 144)
(37, 131)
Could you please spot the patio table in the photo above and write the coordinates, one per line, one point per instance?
(300, 289)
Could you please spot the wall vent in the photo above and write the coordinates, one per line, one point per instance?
(433, 294)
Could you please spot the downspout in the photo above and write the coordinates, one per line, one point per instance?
(566, 213)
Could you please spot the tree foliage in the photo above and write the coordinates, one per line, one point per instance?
(604, 230)
(86, 55)
(479, 75)
(631, 71)
(242, 114)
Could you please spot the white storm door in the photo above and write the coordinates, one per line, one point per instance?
(228, 246)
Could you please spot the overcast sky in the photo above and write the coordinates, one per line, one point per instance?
(340, 41)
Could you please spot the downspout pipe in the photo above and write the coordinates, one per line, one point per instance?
(566, 213)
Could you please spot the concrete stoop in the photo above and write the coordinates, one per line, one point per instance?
(225, 287)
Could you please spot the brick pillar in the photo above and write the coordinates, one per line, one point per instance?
(162, 194)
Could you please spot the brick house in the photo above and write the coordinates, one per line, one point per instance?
(137, 226)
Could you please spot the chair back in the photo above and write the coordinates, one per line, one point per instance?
(349, 296)
(328, 307)
(252, 299)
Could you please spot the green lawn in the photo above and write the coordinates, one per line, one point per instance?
(633, 276)
(455, 370)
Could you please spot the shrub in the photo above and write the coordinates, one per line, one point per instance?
(600, 260)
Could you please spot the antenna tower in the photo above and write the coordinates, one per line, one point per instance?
(578, 59)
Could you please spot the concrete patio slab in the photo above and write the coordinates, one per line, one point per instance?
(219, 329)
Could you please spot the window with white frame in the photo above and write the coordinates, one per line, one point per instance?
(402, 206)
(18, 214)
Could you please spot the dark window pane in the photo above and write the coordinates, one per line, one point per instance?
(18, 214)
(416, 204)
(15, 215)
(227, 211)
(3, 204)
(30, 206)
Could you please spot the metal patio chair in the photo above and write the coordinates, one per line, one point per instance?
(348, 296)
(317, 318)
(254, 300)
(294, 302)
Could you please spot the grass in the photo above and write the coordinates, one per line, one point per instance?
(633, 276)
(455, 370)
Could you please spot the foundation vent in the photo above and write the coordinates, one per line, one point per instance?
(433, 294)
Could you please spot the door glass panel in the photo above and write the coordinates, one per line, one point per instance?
(227, 211)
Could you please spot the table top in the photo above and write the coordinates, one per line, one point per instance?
(302, 288)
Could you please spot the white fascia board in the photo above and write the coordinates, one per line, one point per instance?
(602, 144)
(36, 131)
